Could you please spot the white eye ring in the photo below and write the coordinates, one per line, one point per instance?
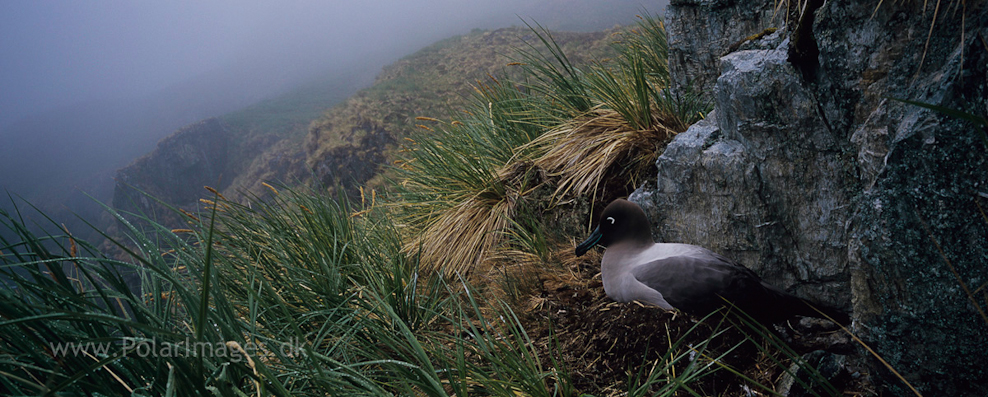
(610, 218)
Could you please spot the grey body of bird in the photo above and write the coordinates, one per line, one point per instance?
(686, 277)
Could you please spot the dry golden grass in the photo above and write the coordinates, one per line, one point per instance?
(465, 185)
(576, 157)
(583, 151)
(458, 240)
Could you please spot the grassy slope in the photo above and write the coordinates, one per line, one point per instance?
(270, 134)
(432, 82)
(276, 140)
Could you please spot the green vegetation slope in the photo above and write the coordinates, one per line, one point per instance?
(353, 142)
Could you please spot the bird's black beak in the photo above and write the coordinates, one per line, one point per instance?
(591, 241)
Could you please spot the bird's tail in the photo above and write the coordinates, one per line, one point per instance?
(814, 310)
(790, 305)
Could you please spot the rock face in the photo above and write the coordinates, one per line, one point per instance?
(210, 153)
(698, 34)
(359, 157)
(176, 171)
(818, 181)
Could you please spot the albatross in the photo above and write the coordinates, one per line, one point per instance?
(686, 277)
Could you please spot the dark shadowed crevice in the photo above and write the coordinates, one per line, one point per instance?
(803, 50)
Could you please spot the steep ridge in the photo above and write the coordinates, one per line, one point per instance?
(350, 144)
(233, 153)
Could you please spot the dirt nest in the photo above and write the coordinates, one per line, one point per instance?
(602, 345)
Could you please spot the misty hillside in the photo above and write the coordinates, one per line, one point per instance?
(347, 145)
(65, 161)
(233, 152)
(93, 87)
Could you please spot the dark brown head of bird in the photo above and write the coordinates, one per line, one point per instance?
(622, 221)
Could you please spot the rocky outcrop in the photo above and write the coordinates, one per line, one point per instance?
(211, 153)
(176, 171)
(362, 157)
(819, 181)
(273, 162)
(699, 34)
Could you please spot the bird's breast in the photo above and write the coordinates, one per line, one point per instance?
(624, 287)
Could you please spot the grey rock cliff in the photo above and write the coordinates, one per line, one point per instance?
(762, 180)
(210, 153)
(176, 171)
(699, 34)
(817, 180)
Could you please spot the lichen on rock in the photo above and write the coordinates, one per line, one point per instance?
(834, 190)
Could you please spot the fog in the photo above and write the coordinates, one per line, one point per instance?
(87, 86)
(61, 52)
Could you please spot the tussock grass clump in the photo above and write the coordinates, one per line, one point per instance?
(629, 84)
(457, 192)
(74, 320)
(560, 88)
(463, 185)
(583, 152)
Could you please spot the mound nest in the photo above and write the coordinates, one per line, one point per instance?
(603, 344)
